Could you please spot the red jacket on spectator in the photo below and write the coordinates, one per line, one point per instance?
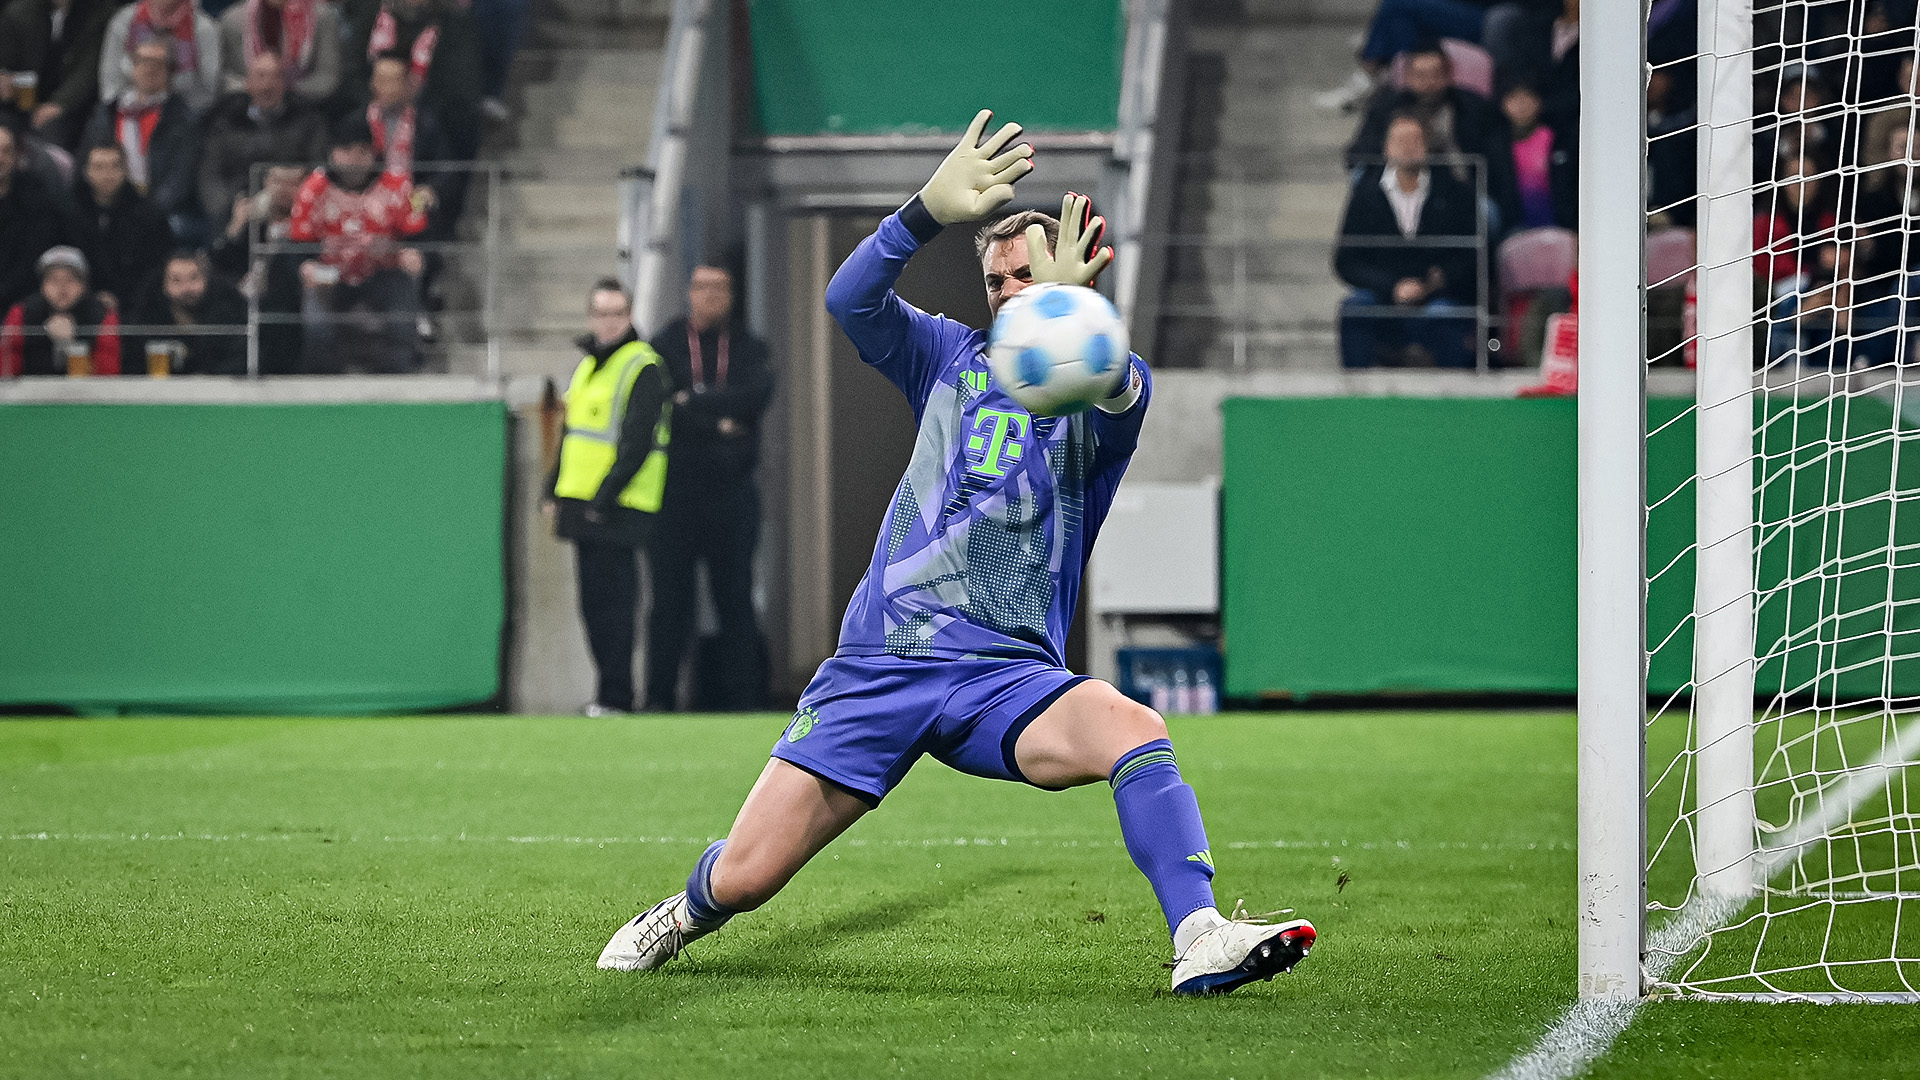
(356, 229)
(1778, 246)
(23, 354)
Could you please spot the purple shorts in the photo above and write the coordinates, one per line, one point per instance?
(864, 720)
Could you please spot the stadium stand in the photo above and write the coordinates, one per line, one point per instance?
(114, 114)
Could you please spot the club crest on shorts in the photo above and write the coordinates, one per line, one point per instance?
(803, 722)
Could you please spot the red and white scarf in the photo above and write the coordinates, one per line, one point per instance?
(296, 35)
(135, 117)
(386, 36)
(186, 46)
(398, 150)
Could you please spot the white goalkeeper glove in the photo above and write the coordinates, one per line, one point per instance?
(1077, 257)
(977, 178)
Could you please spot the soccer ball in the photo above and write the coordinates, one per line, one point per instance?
(1057, 348)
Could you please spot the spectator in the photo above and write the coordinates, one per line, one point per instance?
(1457, 122)
(265, 126)
(501, 23)
(1547, 55)
(358, 213)
(272, 278)
(187, 295)
(65, 329)
(58, 43)
(1899, 117)
(304, 35)
(1672, 150)
(158, 133)
(442, 47)
(125, 236)
(1798, 215)
(1833, 320)
(1810, 125)
(711, 512)
(193, 41)
(1400, 26)
(1411, 300)
(606, 487)
(30, 222)
(403, 133)
(1546, 178)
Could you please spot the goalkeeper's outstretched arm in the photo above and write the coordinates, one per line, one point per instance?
(900, 340)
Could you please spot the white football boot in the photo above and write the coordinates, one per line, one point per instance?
(652, 937)
(1240, 951)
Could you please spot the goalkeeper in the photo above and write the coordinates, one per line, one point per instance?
(951, 645)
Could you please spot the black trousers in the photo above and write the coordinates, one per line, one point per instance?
(717, 523)
(609, 576)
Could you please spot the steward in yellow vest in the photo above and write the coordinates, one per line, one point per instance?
(612, 470)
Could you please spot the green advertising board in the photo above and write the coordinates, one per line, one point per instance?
(275, 558)
(1391, 545)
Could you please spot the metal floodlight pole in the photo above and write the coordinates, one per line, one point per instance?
(1723, 663)
(1612, 477)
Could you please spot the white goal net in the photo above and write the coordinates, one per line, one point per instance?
(1782, 524)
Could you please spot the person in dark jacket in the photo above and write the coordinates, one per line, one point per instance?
(125, 236)
(189, 296)
(158, 132)
(58, 42)
(274, 276)
(263, 126)
(1457, 122)
(31, 221)
(721, 386)
(64, 329)
(445, 65)
(1407, 299)
(606, 506)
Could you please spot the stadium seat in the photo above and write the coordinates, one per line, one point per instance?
(1669, 256)
(1472, 67)
(1535, 259)
(1531, 260)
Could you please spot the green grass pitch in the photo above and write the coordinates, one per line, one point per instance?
(425, 897)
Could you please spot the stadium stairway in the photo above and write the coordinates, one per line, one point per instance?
(582, 96)
(1259, 188)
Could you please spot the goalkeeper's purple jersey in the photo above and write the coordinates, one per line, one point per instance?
(985, 544)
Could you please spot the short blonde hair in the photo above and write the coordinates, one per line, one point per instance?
(1013, 226)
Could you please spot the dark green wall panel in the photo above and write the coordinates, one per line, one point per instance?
(1390, 545)
(884, 66)
(285, 558)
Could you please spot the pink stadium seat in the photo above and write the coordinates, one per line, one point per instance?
(1670, 258)
(1531, 260)
(1535, 259)
(1472, 67)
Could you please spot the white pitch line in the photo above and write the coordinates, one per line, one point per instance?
(1590, 1027)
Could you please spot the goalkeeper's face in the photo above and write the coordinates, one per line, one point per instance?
(1007, 271)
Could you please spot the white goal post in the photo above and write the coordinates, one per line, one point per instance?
(1749, 560)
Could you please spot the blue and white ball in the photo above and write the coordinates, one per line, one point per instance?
(1057, 349)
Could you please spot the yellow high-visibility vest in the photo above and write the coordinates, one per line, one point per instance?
(596, 408)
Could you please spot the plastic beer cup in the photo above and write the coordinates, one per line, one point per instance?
(79, 360)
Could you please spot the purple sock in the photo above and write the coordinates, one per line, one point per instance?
(708, 913)
(1160, 819)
